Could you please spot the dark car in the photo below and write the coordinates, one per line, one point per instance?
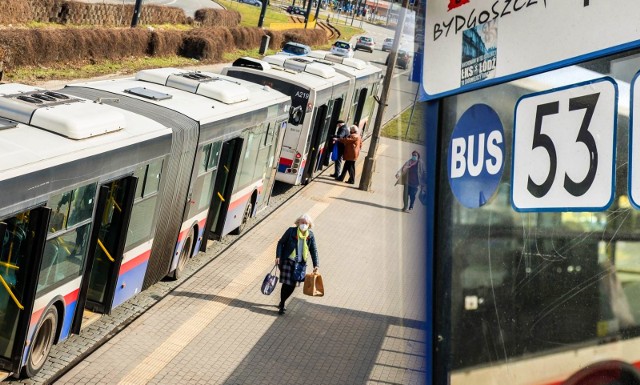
(365, 43)
(403, 59)
(295, 49)
(295, 10)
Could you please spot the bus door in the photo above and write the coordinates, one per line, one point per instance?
(23, 238)
(332, 130)
(111, 223)
(318, 138)
(274, 138)
(361, 100)
(223, 187)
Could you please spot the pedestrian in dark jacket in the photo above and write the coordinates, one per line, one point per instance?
(296, 245)
(412, 176)
(352, 145)
(341, 132)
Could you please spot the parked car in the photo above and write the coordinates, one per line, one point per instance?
(257, 3)
(365, 43)
(295, 10)
(403, 59)
(342, 48)
(387, 44)
(295, 49)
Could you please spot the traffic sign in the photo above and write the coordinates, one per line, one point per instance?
(564, 146)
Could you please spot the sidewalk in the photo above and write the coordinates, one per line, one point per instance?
(217, 328)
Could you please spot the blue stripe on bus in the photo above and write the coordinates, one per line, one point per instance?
(132, 281)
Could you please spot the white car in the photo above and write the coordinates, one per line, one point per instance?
(342, 48)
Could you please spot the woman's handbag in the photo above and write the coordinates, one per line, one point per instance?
(299, 271)
(313, 285)
(270, 282)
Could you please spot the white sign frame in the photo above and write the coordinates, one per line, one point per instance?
(579, 29)
(534, 186)
(633, 177)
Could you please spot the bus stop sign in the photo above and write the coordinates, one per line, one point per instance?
(470, 44)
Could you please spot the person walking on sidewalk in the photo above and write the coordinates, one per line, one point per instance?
(341, 132)
(412, 177)
(296, 245)
(352, 145)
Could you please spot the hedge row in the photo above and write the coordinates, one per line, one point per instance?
(72, 12)
(23, 47)
(217, 17)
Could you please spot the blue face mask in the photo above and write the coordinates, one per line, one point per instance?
(414, 158)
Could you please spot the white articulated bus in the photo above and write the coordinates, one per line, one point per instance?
(364, 83)
(317, 94)
(80, 183)
(110, 186)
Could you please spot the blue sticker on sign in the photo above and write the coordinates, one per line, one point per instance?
(476, 156)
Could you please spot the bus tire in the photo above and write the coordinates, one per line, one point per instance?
(245, 217)
(185, 255)
(42, 342)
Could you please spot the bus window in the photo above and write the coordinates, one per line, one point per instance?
(152, 180)
(144, 206)
(65, 252)
(82, 206)
(214, 158)
(203, 186)
(248, 165)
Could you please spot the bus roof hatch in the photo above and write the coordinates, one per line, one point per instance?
(217, 87)
(52, 111)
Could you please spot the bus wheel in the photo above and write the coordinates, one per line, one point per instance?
(245, 217)
(185, 254)
(42, 342)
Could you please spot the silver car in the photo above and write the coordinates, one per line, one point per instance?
(388, 43)
(342, 48)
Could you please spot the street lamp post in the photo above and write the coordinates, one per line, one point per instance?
(369, 161)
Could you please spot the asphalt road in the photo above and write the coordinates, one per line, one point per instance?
(402, 92)
(190, 6)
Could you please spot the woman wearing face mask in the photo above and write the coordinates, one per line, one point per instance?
(412, 177)
(297, 244)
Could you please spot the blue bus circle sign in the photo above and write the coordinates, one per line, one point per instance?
(476, 156)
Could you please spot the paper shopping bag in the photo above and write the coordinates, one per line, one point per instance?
(313, 285)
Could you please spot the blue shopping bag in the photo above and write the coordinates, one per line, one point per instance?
(334, 152)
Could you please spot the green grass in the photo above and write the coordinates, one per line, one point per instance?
(399, 127)
(251, 14)
(66, 72)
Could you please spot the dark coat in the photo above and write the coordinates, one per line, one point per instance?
(289, 242)
(343, 132)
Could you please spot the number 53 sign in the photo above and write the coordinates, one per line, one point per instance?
(564, 148)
